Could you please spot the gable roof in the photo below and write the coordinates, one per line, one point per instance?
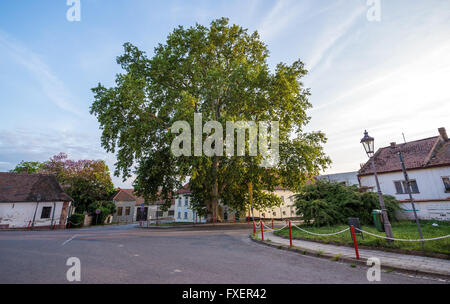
(19, 187)
(128, 195)
(419, 154)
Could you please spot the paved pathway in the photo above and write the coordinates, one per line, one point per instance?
(406, 262)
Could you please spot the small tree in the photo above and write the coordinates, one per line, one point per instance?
(329, 203)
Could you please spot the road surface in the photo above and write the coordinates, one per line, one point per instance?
(127, 254)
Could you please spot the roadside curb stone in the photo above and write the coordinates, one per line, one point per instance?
(415, 265)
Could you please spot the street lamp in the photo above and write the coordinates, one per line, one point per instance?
(368, 144)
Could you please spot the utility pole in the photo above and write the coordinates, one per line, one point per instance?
(387, 224)
(408, 186)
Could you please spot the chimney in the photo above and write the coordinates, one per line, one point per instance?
(443, 133)
(393, 145)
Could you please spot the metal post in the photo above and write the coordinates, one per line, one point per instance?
(408, 186)
(290, 234)
(355, 242)
(387, 224)
(262, 230)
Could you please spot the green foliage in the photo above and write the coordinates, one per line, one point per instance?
(106, 208)
(327, 203)
(220, 71)
(86, 181)
(28, 167)
(76, 220)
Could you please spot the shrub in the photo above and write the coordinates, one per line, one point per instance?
(76, 220)
(329, 203)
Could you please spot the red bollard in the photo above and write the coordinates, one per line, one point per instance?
(290, 233)
(355, 242)
(272, 223)
(254, 228)
(68, 225)
(29, 225)
(262, 231)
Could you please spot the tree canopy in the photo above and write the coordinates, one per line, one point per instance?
(220, 72)
(86, 181)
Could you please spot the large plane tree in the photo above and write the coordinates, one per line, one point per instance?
(221, 72)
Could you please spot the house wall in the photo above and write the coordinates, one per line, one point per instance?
(19, 215)
(125, 218)
(286, 210)
(166, 215)
(433, 202)
(350, 178)
(183, 211)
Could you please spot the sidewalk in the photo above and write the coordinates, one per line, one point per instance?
(403, 262)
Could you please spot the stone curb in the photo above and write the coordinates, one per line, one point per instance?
(362, 261)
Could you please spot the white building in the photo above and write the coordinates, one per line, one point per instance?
(285, 211)
(348, 178)
(32, 200)
(428, 165)
(183, 210)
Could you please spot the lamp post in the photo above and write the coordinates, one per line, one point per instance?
(368, 144)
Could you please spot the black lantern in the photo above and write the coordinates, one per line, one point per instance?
(368, 144)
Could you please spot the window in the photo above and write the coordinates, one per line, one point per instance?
(127, 210)
(186, 201)
(46, 212)
(402, 188)
(171, 212)
(185, 215)
(274, 214)
(179, 202)
(119, 211)
(284, 212)
(398, 187)
(179, 215)
(159, 213)
(446, 181)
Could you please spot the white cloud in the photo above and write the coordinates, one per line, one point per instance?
(51, 85)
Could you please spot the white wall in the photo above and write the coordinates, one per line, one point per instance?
(431, 188)
(18, 215)
(287, 209)
(350, 178)
(180, 210)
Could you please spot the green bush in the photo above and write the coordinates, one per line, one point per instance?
(76, 220)
(329, 203)
(106, 208)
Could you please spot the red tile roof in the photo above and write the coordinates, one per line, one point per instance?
(15, 187)
(184, 190)
(419, 154)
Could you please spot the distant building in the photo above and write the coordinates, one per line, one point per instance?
(131, 208)
(32, 200)
(285, 211)
(347, 178)
(183, 209)
(428, 164)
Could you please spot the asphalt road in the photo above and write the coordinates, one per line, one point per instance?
(126, 254)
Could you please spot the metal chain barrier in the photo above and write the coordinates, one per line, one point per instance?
(403, 240)
(319, 234)
(273, 230)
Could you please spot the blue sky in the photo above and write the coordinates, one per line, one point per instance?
(390, 77)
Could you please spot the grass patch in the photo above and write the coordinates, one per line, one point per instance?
(402, 230)
(336, 257)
